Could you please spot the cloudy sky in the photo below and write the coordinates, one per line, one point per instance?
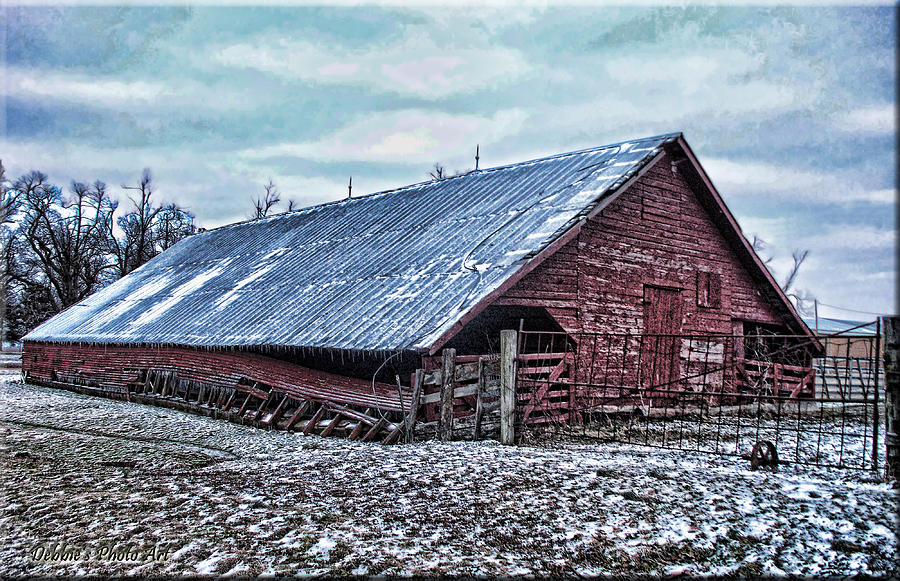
(790, 110)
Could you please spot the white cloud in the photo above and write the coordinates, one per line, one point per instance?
(32, 84)
(634, 109)
(888, 276)
(772, 230)
(684, 69)
(496, 5)
(150, 97)
(415, 65)
(757, 178)
(59, 158)
(850, 237)
(192, 178)
(689, 73)
(852, 284)
(409, 136)
(878, 119)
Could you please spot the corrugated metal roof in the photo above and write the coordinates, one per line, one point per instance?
(829, 326)
(392, 270)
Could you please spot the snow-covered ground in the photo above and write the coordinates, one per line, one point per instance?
(119, 488)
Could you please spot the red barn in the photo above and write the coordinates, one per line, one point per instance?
(321, 315)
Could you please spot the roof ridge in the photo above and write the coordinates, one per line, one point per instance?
(661, 137)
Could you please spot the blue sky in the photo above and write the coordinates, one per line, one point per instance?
(789, 109)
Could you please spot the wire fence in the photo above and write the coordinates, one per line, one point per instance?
(813, 401)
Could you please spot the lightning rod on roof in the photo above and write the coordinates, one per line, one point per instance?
(350, 188)
(476, 156)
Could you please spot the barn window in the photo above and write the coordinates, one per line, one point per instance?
(709, 290)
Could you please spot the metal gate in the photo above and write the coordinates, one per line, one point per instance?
(817, 401)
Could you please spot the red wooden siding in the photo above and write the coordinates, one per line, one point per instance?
(655, 233)
(552, 285)
(115, 365)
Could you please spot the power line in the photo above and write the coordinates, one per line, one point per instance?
(849, 310)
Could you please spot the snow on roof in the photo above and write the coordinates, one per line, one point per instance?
(392, 270)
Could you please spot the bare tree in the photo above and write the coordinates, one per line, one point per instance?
(146, 229)
(9, 198)
(270, 198)
(136, 245)
(440, 172)
(802, 297)
(759, 246)
(799, 257)
(173, 224)
(64, 250)
(65, 247)
(9, 207)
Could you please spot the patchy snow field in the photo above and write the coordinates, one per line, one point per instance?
(95, 486)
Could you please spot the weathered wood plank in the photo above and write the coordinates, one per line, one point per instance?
(295, 417)
(245, 404)
(357, 430)
(479, 401)
(331, 425)
(262, 407)
(463, 373)
(508, 344)
(350, 413)
(311, 423)
(224, 369)
(543, 356)
(445, 424)
(392, 436)
(459, 392)
(230, 401)
(415, 402)
(373, 431)
(276, 415)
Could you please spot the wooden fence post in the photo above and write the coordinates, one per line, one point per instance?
(448, 380)
(414, 403)
(507, 386)
(892, 396)
(479, 400)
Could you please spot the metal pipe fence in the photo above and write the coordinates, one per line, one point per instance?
(714, 393)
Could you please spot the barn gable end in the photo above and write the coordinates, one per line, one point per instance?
(656, 233)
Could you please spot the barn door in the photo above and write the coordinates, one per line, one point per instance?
(661, 345)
